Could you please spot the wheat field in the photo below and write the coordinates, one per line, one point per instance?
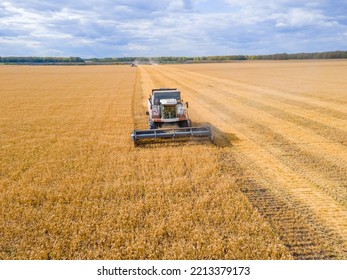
(271, 185)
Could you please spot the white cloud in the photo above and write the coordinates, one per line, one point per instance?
(176, 5)
(135, 47)
(301, 17)
(170, 27)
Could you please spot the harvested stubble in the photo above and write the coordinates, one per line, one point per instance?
(287, 124)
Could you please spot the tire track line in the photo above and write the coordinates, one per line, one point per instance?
(267, 91)
(304, 237)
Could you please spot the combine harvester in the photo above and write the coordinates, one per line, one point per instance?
(168, 119)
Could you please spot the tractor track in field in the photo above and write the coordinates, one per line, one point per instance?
(303, 236)
(301, 172)
(326, 107)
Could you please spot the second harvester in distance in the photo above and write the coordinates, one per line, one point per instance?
(168, 118)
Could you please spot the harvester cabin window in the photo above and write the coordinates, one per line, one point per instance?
(169, 112)
(166, 95)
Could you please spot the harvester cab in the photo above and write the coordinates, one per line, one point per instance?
(168, 118)
(165, 108)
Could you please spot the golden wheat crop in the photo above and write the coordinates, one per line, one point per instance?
(73, 186)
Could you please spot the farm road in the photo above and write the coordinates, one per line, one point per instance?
(286, 148)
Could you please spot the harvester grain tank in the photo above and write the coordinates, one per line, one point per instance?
(168, 118)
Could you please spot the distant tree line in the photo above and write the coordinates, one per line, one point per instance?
(281, 56)
(169, 59)
(119, 59)
(42, 60)
(317, 55)
(196, 59)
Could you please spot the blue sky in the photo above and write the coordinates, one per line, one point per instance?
(118, 28)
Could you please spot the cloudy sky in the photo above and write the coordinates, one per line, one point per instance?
(117, 28)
